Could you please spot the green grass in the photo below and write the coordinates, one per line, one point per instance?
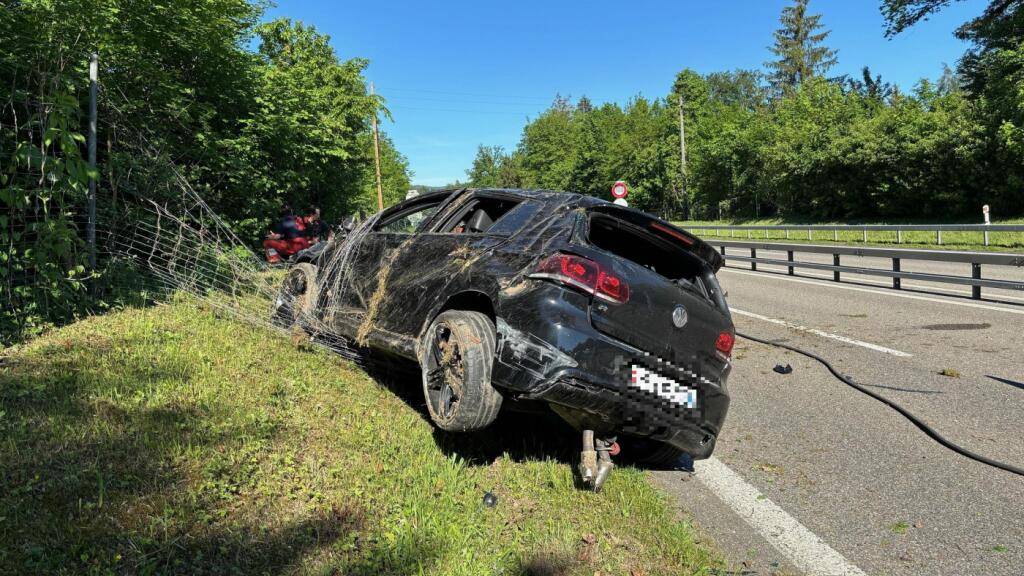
(998, 241)
(172, 440)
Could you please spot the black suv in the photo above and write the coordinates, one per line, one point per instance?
(612, 317)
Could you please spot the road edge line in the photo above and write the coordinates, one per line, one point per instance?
(804, 549)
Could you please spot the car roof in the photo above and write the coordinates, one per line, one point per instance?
(530, 194)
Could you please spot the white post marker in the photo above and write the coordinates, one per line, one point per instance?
(619, 191)
(986, 213)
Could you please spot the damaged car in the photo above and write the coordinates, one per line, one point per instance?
(610, 316)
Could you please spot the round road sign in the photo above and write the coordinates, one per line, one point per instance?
(620, 190)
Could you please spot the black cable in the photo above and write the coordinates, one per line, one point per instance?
(914, 419)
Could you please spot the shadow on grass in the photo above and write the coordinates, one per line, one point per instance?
(96, 481)
(521, 432)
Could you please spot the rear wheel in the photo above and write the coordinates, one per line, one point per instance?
(298, 295)
(456, 360)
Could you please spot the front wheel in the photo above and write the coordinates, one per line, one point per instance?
(456, 359)
(298, 295)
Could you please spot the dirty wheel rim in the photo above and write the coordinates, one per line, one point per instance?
(446, 374)
(296, 293)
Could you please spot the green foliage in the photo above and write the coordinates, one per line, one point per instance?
(799, 48)
(795, 144)
(253, 116)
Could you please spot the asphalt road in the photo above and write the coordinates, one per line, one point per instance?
(857, 475)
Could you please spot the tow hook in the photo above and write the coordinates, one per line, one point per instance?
(595, 460)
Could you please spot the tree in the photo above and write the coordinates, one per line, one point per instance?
(493, 168)
(799, 48)
(902, 14)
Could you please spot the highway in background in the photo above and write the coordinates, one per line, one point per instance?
(852, 472)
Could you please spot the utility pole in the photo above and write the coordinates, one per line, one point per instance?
(90, 234)
(682, 153)
(376, 155)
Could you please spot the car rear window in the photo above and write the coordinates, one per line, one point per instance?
(661, 255)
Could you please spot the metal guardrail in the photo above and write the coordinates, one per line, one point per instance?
(899, 229)
(896, 255)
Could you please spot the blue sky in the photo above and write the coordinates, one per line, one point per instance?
(459, 74)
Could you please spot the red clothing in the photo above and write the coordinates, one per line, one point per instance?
(281, 248)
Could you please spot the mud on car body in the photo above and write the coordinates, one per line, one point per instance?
(610, 316)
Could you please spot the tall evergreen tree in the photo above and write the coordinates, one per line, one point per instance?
(799, 46)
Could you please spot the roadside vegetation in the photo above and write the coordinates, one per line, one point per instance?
(170, 440)
(791, 140)
(252, 114)
(998, 241)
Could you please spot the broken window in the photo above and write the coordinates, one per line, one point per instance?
(652, 252)
(479, 215)
(408, 221)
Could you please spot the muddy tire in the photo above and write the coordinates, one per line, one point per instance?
(298, 295)
(456, 360)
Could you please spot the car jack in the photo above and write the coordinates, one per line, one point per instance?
(595, 461)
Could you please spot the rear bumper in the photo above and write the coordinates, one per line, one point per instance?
(549, 351)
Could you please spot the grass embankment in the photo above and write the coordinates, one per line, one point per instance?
(998, 241)
(171, 440)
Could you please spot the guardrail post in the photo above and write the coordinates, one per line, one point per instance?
(787, 233)
(809, 234)
(899, 236)
(896, 268)
(765, 233)
(723, 250)
(748, 233)
(976, 274)
(835, 234)
(835, 262)
(865, 235)
(789, 256)
(938, 237)
(986, 237)
(753, 254)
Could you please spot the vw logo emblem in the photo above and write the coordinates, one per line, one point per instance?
(679, 316)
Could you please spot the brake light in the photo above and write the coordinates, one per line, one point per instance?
(612, 288)
(584, 274)
(673, 233)
(725, 342)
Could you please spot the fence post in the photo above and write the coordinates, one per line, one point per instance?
(789, 256)
(896, 268)
(90, 233)
(976, 274)
(835, 262)
(753, 255)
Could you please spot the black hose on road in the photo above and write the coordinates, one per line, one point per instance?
(914, 419)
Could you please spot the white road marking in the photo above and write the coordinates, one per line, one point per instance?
(870, 291)
(822, 333)
(800, 546)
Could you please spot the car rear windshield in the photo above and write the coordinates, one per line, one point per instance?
(659, 254)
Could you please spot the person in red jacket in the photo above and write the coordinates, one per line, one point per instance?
(286, 238)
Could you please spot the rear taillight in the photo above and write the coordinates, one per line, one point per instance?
(725, 342)
(584, 274)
